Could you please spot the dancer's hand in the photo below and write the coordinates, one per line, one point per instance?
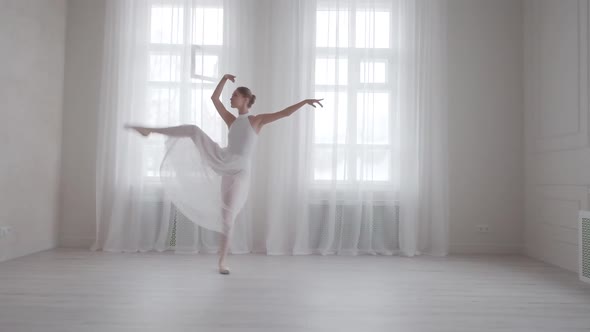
(230, 77)
(312, 102)
(142, 130)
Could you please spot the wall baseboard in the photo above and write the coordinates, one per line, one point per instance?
(10, 252)
(475, 248)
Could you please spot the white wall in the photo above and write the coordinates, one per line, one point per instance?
(486, 125)
(557, 127)
(84, 46)
(32, 35)
(486, 140)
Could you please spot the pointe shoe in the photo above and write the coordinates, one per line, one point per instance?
(223, 270)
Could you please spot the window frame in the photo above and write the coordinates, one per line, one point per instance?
(188, 81)
(355, 56)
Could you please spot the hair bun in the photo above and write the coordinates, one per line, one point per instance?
(252, 100)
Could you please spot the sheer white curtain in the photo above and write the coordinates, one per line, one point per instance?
(368, 173)
(162, 60)
(365, 174)
(334, 183)
(423, 135)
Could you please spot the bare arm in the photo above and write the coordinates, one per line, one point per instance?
(263, 119)
(223, 112)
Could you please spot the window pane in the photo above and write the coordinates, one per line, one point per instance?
(167, 25)
(204, 114)
(206, 65)
(329, 163)
(331, 71)
(164, 68)
(373, 118)
(152, 158)
(207, 26)
(373, 165)
(330, 121)
(332, 28)
(373, 72)
(164, 106)
(372, 29)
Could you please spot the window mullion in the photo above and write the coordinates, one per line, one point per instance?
(185, 87)
(353, 87)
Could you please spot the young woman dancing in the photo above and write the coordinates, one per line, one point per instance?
(207, 183)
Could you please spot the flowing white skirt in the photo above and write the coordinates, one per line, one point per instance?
(208, 184)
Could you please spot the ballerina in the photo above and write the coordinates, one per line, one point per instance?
(207, 183)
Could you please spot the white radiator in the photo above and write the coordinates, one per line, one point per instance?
(584, 245)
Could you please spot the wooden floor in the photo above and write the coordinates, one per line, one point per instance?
(67, 290)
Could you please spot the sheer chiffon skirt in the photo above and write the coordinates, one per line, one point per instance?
(208, 184)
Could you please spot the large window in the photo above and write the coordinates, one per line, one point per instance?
(354, 135)
(183, 65)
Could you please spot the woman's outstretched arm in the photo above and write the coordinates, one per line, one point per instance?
(225, 115)
(263, 119)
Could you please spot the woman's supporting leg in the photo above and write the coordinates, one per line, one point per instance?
(223, 251)
(227, 215)
(233, 191)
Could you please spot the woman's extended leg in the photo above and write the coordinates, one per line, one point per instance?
(178, 131)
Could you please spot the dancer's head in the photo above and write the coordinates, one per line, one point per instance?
(242, 97)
